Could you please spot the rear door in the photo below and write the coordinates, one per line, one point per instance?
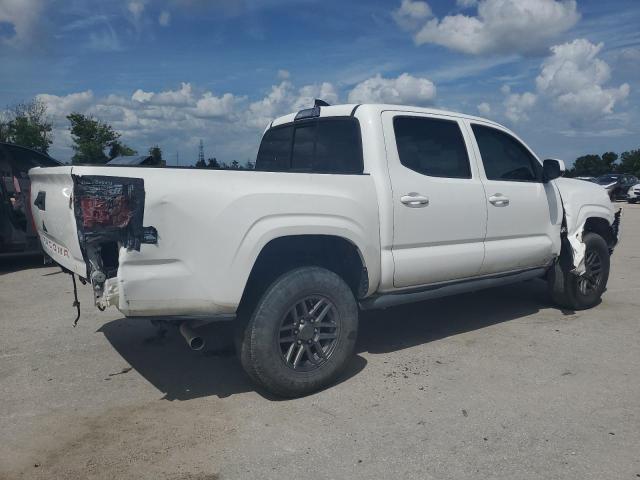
(52, 208)
(524, 214)
(439, 203)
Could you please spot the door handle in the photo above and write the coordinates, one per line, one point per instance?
(499, 200)
(414, 200)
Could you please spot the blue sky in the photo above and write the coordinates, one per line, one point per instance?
(563, 75)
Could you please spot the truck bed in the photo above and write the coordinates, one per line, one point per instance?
(183, 241)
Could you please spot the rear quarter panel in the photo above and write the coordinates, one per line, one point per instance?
(212, 225)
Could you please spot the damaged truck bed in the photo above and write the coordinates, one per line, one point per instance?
(350, 206)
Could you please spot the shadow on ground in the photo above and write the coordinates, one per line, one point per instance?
(19, 262)
(181, 374)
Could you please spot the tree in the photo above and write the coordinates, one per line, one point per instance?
(156, 153)
(235, 165)
(213, 163)
(589, 166)
(118, 149)
(93, 138)
(27, 124)
(630, 162)
(250, 165)
(201, 163)
(609, 160)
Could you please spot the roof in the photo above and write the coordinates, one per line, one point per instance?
(377, 108)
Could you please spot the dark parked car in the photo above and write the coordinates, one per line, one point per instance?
(617, 184)
(17, 233)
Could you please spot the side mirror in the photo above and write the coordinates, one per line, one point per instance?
(552, 169)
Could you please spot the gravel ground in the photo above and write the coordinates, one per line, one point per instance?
(496, 384)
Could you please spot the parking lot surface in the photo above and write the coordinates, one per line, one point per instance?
(497, 384)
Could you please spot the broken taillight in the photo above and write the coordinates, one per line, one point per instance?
(105, 211)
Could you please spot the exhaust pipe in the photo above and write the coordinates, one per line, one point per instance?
(195, 341)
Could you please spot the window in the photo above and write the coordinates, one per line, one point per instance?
(504, 157)
(303, 146)
(432, 147)
(324, 145)
(275, 150)
(338, 147)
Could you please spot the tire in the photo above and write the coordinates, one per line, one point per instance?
(581, 292)
(301, 333)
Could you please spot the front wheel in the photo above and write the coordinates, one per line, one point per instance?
(301, 333)
(579, 292)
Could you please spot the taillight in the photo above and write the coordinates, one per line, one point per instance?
(105, 211)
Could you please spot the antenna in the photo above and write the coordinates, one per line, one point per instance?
(201, 152)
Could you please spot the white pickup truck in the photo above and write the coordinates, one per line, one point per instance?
(350, 207)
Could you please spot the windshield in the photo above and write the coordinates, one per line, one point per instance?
(607, 179)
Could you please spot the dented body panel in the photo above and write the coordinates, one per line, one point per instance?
(181, 241)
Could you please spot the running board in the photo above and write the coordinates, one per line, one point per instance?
(450, 288)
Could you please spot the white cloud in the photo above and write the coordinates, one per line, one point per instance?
(574, 79)
(484, 108)
(177, 119)
(307, 94)
(502, 26)
(283, 74)
(164, 19)
(64, 105)
(411, 13)
(212, 106)
(23, 16)
(136, 7)
(518, 104)
(406, 89)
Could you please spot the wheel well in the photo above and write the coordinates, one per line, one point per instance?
(285, 253)
(601, 227)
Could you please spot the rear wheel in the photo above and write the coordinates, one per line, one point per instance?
(301, 333)
(580, 292)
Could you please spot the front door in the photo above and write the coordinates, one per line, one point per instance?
(524, 214)
(438, 199)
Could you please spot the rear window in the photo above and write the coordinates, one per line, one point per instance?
(324, 145)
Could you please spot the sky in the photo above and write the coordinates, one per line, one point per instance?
(563, 74)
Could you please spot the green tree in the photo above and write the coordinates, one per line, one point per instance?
(27, 124)
(235, 165)
(589, 166)
(213, 163)
(630, 162)
(92, 139)
(609, 159)
(156, 153)
(118, 149)
(201, 164)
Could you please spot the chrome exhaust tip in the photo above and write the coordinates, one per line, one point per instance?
(195, 341)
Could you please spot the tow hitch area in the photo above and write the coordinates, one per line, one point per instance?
(109, 214)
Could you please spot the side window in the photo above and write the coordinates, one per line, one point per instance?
(274, 154)
(504, 157)
(432, 147)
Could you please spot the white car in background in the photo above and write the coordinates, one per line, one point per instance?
(633, 194)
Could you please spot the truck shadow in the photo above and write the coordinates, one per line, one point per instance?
(181, 374)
